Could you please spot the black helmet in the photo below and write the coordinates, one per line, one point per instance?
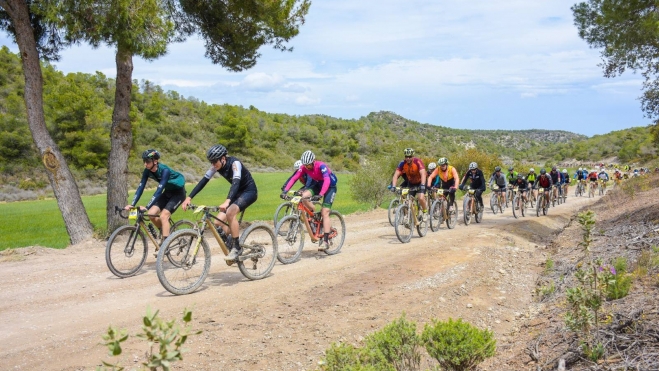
(543, 171)
(520, 176)
(498, 168)
(510, 168)
(150, 154)
(216, 152)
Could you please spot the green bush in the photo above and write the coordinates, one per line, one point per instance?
(458, 345)
(618, 282)
(398, 343)
(370, 183)
(345, 357)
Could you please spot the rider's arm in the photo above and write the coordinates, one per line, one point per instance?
(394, 180)
(237, 169)
(283, 187)
(432, 176)
(292, 180)
(161, 187)
(140, 188)
(326, 179)
(456, 176)
(202, 183)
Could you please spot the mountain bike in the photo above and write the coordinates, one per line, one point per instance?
(591, 189)
(519, 204)
(565, 185)
(555, 195)
(470, 207)
(496, 199)
(542, 202)
(579, 189)
(439, 212)
(602, 186)
(127, 248)
(287, 208)
(510, 194)
(393, 205)
(408, 216)
(291, 228)
(192, 255)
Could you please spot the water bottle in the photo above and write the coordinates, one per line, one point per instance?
(152, 229)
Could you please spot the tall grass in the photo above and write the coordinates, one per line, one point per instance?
(29, 223)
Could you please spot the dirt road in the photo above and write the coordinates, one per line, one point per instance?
(56, 304)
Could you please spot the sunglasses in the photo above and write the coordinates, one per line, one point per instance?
(408, 156)
(215, 161)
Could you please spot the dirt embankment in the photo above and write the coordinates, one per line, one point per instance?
(58, 303)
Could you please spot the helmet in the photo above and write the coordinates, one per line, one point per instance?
(498, 168)
(150, 154)
(553, 168)
(216, 152)
(543, 171)
(580, 169)
(408, 152)
(308, 158)
(442, 161)
(510, 168)
(473, 166)
(297, 164)
(564, 171)
(531, 170)
(520, 176)
(432, 166)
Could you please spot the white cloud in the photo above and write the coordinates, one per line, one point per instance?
(306, 101)
(260, 81)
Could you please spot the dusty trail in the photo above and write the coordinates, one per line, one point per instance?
(57, 303)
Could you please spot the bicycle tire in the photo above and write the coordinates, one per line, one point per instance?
(515, 205)
(538, 204)
(391, 212)
(493, 203)
(500, 204)
(509, 197)
(435, 215)
(523, 207)
(422, 227)
(290, 239)
(479, 215)
(404, 226)
(117, 247)
(181, 224)
(466, 210)
(259, 249)
(284, 209)
(452, 216)
(191, 272)
(337, 233)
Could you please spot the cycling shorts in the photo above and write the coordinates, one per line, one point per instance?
(170, 200)
(245, 199)
(328, 199)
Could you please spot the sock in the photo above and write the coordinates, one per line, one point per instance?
(326, 236)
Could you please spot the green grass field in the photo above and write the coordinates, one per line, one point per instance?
(29, 223)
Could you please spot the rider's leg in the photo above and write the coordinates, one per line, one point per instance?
(155, 210)
(422, 201)
(164, 221)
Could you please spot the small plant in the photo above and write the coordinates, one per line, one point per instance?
(458, 345)
(549, 265)
(165, 339)
(547, 290)
(587, 221)
(398, 343)
(616, 279)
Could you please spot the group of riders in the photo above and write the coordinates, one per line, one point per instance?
(318, 183)
(441, 175)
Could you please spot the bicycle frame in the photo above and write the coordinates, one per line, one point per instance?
(206, 221)
(304, 213)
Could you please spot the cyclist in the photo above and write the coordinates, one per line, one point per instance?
(580, 175)
(530, 179)
(566, 181)
(604, 177)
(592, 177)
(242, 193)
(511, 176)
(169, 194)
(303, 178)
(431, 170)
(475, 175)
(556, 180)
(321, 183)
(501, 181)
(522, 187)
(447, 176)
(544, 181)
(416, 174)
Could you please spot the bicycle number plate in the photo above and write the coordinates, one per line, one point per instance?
(440, 191)
(296, 199)
(515, 189)
(404, 191)
(132, 215)
(495, 187)
(472, 191)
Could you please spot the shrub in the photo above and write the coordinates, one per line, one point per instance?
(345, 357)
(398, 343)
(617, 280)
(458, 345)
(370, 183)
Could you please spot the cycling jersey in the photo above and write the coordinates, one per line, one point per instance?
(531, 177)
(522, 184)
(579, 175)
(499, 180)
(448, 178)
(592, 175)
(544, 180)
(303, 179)
(603, 175)
(476, 177)
(555, 177)
(512, 177)
(412, 170)
(168, 180)
(320, 173)
(235, 173)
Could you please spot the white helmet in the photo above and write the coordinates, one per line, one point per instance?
(432, 166)
(473, 166)
(531, 170)
(564, 171)
(580, 169)
(308, 158)
(297, 164)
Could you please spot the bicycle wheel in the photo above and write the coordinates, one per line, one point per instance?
(500, 204)
(435, 215)
(493, 203)
(422, 227)
(509, 197)
(403, 224)
(515, 206)
(522, 207)
(538, 204)
(290, 239)
(479, 215)
(391, 212)
(466, 210)
(337, 233)
(182, 224)
(452, 216)
(126, 250)
(191, 270)
(259, 251)
(282, 210)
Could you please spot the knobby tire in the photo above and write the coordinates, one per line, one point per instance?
(126, 251)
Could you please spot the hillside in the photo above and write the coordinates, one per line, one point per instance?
(78, 109)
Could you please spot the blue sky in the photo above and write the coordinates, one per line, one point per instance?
(513, 64)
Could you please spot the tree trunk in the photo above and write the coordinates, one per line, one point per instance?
(121, 138)
(64, 186)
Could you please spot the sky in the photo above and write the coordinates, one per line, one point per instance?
(480, 64)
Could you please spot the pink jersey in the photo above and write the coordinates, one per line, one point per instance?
(320, 172)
